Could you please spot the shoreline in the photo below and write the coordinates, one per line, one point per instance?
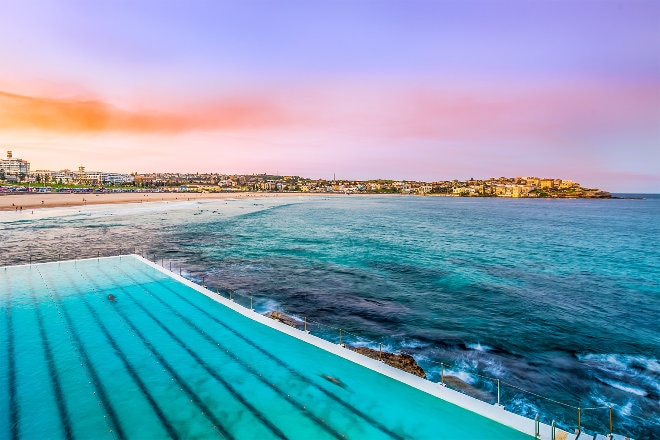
(30, 201)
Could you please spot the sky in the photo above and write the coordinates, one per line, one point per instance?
(360, 89)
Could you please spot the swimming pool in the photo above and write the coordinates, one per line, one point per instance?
(164, 358)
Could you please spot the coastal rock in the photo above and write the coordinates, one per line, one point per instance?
(464, 387)
(284, 319)
(401, 361)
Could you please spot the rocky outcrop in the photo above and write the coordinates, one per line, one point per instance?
(401, 361)
(464, 387)
(284, 319)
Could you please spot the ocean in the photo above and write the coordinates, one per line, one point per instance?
(558, 299)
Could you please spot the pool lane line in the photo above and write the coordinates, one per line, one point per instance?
(194, 397)
(277, 360)
(284, 396)
(131, 371)
(320, 422)
(256, 412)
(52, 369)
(283, 364)
(98, 385)
(122, 356)
(161, 415)
(14, 410)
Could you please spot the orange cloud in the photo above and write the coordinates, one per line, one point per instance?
(19, 112)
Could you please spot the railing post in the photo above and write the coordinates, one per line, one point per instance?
(179, 270)
(380, 353)
(170, 266)
(202, 280)
(498, 392)
(610, 421)
(305, 324)
(442, 374)
(537, 422)
(231, 295)
(553, 430)
(339, 336)
(579, 414)
(251, 304)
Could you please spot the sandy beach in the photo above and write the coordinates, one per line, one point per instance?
(12, 202)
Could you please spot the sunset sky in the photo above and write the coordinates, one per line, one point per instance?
(427, 90)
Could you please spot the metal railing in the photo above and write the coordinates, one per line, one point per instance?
(340, 335)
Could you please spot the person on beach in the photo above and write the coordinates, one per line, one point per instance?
(111, 297)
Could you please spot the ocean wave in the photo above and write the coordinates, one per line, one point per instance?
(523, 406)
(479, 347)
(634, 374)
(622, 362)
(625, 387)
(462, 375)
(622, 410)
(267, 305)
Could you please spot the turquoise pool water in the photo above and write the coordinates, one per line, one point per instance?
(162, 360)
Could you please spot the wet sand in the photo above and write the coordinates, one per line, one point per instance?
(10, 202)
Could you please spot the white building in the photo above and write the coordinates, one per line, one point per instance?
(13, 166)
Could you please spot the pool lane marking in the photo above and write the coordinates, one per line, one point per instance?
(130, 329)
(131, 371)
(212, 372)
(159, 412)
(122, 356)
(98, 385)
(277, 360)
(200, 404)
(213, 341)
(52, 370)
(256, 412)
(14, 410)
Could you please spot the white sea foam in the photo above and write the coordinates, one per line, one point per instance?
(520, 405)
(479, 347)
(626, 387)
(462, 375)
(267, 305)
(621, 362)
(626, 409)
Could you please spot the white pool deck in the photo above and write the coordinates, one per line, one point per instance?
(493, 412)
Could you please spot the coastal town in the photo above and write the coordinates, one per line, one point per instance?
(16, 176)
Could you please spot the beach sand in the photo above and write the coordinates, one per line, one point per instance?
(10, 202)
